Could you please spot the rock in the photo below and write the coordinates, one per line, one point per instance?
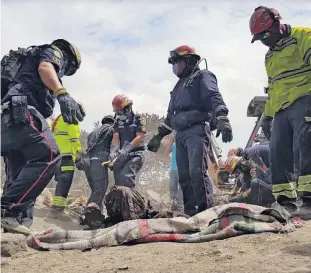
(12, 243)
(4, 261)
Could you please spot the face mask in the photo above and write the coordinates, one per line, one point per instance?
(175, 68)
(123, 117)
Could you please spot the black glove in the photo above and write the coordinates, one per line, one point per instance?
(240, 198)
(224, 127)
(267, 126)
(155, 143)
(70, 109)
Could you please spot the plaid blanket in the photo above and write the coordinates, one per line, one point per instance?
(217, 223)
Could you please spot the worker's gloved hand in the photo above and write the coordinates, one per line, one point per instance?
(124, 152)
(70, 109)
(240, 198)
(267, 127)
(224, 127)
(113, 152)
(155, 143)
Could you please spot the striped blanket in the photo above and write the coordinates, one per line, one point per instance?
(217, 223)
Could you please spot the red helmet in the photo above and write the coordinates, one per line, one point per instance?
(182, 51)
(261, 20)
(120, 102)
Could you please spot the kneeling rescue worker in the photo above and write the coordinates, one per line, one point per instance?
(30, 81)
(67, 137)
(127, 145)
(194, 100)
(255, 182)
(260, 154)
(288, 66)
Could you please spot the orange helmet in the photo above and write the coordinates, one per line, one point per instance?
(182, 51)
(120, 102)
(232, 162)
(261, 20)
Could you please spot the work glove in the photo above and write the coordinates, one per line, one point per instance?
(224, 127)
(71, 111)
(113, 152)
(267, 127)
(124, 152)
(240, 198)
(155, 143)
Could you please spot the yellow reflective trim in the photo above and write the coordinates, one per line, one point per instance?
(59, 201)
(61, 134)
(304, 179)
(287, 189)
(304, 183)
(286, 74)
(67, 168)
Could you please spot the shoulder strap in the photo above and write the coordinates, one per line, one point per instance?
(54, 123)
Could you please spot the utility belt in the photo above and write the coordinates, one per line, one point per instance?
(16, 111)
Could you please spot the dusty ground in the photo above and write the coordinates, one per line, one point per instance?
(269, 253)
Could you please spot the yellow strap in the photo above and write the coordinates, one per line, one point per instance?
(60, 91)
(222, 118)
(67, 168)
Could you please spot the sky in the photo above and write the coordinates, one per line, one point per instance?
(125, 45)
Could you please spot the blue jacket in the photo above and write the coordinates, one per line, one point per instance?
(28, 81)
(99, 141)
(194, 100)
(259, 154)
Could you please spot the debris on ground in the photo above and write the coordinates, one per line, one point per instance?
(12, 244)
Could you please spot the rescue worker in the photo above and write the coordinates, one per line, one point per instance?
(288, 66)
(255, 183)
(260, 154)
(126, 151)
(98, 149)
(30, 82)
(67, 137)
(195, 99)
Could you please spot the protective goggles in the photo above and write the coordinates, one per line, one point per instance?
(174, 57)
(261, 36)
(73, 63)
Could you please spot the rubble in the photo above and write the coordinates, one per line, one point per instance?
(12, 244)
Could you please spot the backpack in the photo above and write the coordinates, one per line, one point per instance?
(12, 62)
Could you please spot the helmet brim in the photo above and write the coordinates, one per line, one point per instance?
(258, 37)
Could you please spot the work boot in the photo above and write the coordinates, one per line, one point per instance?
(92, 217)
(58, 213)
(304, 212)
(10, 224)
